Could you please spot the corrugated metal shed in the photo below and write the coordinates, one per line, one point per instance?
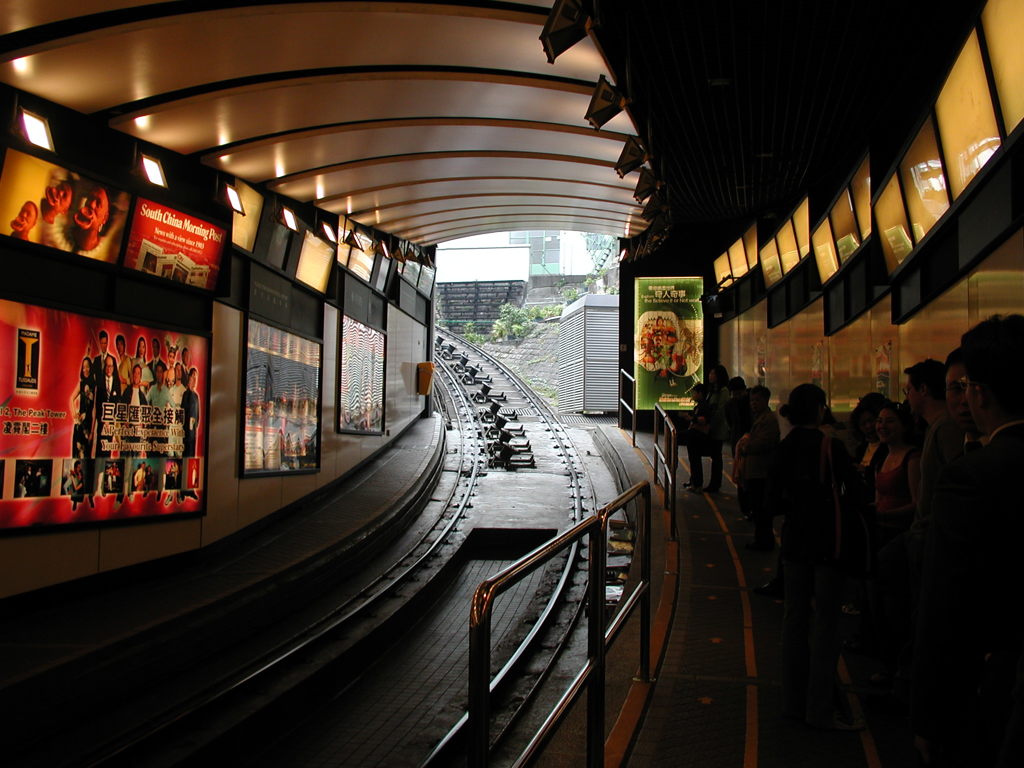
(588, 356)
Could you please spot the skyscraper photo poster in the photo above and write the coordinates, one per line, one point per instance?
(100, 420)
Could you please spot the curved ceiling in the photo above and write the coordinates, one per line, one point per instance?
(427, 120)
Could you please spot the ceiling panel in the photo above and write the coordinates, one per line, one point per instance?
(288, 154)
(401, 214)
(199, 123)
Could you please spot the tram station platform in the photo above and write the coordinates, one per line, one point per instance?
(715, 698)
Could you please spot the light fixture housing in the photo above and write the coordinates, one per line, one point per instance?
(633, 155)
(655, 205)
(151, 169)
(646, 185)
(352, 240)
(566, 25)
(328, 231)
(35, 128)
(288, 219)
(605, 104)
(233, 199)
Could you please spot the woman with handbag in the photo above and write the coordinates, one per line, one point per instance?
(812, 480)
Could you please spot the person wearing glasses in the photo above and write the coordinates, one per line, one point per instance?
(967, 695)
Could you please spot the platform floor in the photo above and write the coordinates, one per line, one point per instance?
(716, 698)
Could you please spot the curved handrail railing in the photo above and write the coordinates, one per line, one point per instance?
(666, 459)
(599, 638)
(627, 406)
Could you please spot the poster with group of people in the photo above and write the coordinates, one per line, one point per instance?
(99, 419)
(669, 345)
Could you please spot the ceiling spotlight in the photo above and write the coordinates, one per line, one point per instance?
(566, 25)
(288, 218)
(646, 185)
(654, 206)
(605, 104)
(352, 240)
(632, 156)
(152, 170)
(234, 200)
(329, 231)
(35, 129)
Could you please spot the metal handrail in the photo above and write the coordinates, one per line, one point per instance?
(599, 638)
(666, 457)
(629, 406)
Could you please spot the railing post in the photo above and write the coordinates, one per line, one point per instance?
(645, 579)
(596, 648)
(479, 680)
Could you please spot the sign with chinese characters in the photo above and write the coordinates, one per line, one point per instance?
(668, 348)
(48, 204)
(173, 245)
(100, 420)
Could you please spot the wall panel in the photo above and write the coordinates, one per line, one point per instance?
(851, 364)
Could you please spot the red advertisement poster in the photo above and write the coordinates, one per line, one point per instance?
(99, 419)
(173, 245)
(45, 203)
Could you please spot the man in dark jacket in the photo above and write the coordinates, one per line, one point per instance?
(970, 628)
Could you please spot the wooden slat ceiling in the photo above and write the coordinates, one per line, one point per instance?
(432, 120)
(426, 120)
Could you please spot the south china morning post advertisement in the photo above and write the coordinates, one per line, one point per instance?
(173, 245)
(668, 348)
(99, 419)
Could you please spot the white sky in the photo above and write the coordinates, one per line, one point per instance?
(490, 257)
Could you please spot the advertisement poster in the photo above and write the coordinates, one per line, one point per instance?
(44, 203)
(173, 245)
(668, 350)
(282, 402)
(315, 262)
(361, 393)
(99, 419)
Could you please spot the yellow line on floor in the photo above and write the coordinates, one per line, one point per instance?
(867, 740)
(749, 648)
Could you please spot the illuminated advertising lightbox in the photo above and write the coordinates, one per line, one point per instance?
(315, 261)
(100, 420)
(245, 225)
(282, 402)
(361, 390)
(47, 204)
(173, 245)
(668, 349)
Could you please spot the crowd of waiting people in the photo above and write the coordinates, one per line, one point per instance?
(909, 518)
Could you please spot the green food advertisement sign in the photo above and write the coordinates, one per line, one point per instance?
(668, 346)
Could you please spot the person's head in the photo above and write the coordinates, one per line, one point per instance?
(895, 424)
(56, 200)
(806, 405)
(700, 390)
(154, 346)
(86, 369)
(160, 372)
(27, 217)
(994, 358)
(193, 378)
(925, 381)
(104, 342)
(91, 218)
(78, 466)
(120, 345)
(737, 386)
(718, 376)
(140, 348)
(863, 418)
(956, 392)
(179, 372)
(136, 375)
(759, 397)
(186, 357)
(108, 366)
